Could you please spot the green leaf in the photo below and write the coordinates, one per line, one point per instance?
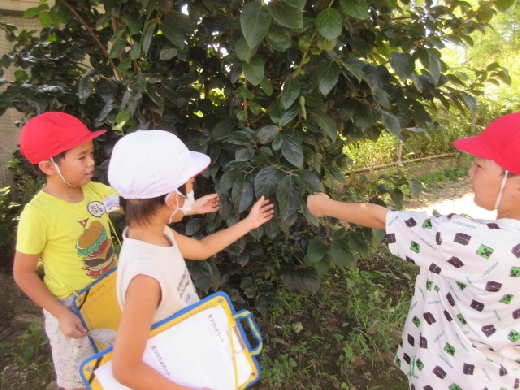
(470, 101)
(340, 253)
(31, 12)
(328, 77)
(243, 51)
(167, 53)
(176, 27)
(391, 123)
(193, 226)
(304, 280)
(222, 129)
(329, 23)
(310, 181)
(155, 94)
(434, 67)
(201, 274)
(403, 64)
(292, 151)
(267, 133)
(356, 8)
(317, 250)
(325, 122)
(266, 181)
(291, 90)
(147, 37)
(267, 87)
(255, 21)
(242, 195)
(118, 47)
(282, 117)
(279, 38)
(415, 187)
(287, 13)
(254, 71)
(397, 197)
(289, 196)
(46, 19)
(505, 3)
(355, 66)
(239, 137)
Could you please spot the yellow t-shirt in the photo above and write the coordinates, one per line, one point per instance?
(72, 239)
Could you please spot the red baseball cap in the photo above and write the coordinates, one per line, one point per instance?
(51, 133)
(498, 142)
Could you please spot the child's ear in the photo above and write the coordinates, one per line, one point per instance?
(47, 167)
(171, 200)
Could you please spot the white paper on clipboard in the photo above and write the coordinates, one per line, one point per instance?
(194, 352)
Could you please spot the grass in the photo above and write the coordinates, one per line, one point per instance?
(26, 360)
(345, 335)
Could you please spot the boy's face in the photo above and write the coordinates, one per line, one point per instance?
(78, 164)
(486, 179)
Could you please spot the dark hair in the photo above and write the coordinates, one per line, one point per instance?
(140, 210)
(56, 160)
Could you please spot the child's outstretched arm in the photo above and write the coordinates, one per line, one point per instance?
(141, 300)
(24, 274)
(261, 212)
(206, 204)
(364, 214)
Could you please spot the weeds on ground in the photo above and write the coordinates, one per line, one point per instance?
(344, 336)
(26, 360)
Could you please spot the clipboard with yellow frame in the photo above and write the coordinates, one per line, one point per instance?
(204, 344)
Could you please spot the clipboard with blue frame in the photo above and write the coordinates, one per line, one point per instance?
(237, 366)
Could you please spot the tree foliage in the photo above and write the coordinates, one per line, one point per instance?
(271, 91)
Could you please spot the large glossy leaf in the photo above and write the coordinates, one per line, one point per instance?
(292, 151)
(325, 122)
(266, 181)
(255, 21)
(303, 280)
(176, 27)
(279, 38)
(201, 274)
(356, 8)
(329, 23)
(341, 253)
(287, 13)
(328, 77)
(391, 123)
(435, 67)
(310, 181)
(243, 51)
(280, 116)
(254, 71)
(317, 250)
(266, 134)
(290, 92)
(403, 64)
(242, 194)
(289, 196)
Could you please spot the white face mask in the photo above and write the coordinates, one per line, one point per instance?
(189, 201)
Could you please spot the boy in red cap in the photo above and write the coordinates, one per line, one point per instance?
(66, 225)
(463, 327)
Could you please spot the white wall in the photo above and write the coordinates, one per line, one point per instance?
(11, 11)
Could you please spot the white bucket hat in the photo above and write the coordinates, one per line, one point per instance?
(150, 163)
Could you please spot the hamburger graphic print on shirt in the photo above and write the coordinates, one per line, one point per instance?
(94, 246)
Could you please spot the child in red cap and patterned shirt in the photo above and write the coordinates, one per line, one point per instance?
(463, 327)
(66, 226)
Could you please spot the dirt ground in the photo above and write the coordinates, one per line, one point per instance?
(17, 312)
